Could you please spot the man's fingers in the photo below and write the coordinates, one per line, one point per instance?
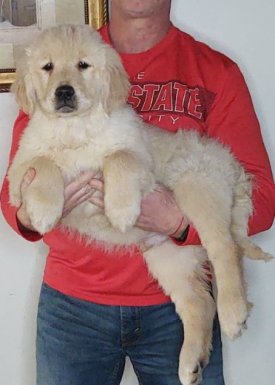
(159, 187)
(77, 200)
(86, 197)
(142, 223)
(97, 201)
(21, 212)
(77, 197)
(80, 182)
(97, 184)
(28, 178)
(82, 189)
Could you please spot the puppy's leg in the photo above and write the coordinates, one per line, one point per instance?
(209, 208)
(44, 197)
(180, 273)
(122, 195)
(241, 211)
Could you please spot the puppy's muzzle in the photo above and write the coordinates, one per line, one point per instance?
(65, 99)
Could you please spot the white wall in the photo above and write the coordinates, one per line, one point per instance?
(245, 31)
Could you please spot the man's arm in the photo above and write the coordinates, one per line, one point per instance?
(232, 120)
(10, 212)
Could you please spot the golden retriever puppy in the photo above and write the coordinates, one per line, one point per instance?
(74, 88)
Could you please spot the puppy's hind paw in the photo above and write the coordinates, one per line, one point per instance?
(233, 315)
(191, 377)
(192, 361)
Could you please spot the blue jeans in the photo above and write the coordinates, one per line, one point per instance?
(82, 343)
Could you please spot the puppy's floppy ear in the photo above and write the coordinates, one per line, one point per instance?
(23, 87)
(115, 85)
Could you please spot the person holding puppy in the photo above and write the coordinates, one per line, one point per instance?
(94, 309)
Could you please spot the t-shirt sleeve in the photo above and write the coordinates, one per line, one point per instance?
(233, 121)
(9, 211)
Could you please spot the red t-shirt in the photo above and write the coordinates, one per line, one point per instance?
(178, 84)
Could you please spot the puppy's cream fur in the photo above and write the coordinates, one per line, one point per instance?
(102, 133)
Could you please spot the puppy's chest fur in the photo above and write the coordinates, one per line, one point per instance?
(76, 145)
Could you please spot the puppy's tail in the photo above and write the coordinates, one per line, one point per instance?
(241, 211)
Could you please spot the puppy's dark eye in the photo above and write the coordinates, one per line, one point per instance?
(48, 67)
(82, 65)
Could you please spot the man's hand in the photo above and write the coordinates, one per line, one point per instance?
(79, 190)
(22, 215)
(76, 192)
(160, 213)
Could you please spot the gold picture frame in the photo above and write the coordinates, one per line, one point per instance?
(47, 13)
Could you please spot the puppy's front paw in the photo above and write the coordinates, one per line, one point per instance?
(123, 217)
(233, 311)
(43, 212)
(122, 206)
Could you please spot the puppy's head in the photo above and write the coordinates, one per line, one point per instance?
(68, 71)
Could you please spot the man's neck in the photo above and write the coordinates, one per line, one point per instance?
(134, 35)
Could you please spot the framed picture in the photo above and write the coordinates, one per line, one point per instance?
(21, 20)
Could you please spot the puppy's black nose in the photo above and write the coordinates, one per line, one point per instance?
(64, 93)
